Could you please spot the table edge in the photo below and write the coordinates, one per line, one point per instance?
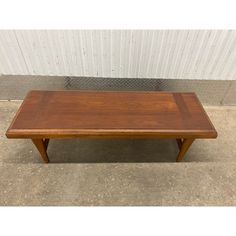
(73, 133)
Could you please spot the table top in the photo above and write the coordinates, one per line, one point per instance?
(110, 113)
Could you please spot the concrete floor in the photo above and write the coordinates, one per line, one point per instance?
(120, 172)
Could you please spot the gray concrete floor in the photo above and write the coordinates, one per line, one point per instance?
(120, 172)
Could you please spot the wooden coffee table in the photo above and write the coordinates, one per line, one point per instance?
(78, 114)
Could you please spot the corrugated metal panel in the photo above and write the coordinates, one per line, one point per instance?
(176, 54)
(11, 57)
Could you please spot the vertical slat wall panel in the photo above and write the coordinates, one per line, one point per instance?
(125, 53)
(107, 56)
(172, 54)
(11, 57)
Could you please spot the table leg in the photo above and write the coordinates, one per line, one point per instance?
(179, 142)
(183, 146)
(46, 141)
(41, 145)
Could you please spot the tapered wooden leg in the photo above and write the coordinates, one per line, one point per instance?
(186, 143)
(41, 145)
(179, 142)
(46, 141)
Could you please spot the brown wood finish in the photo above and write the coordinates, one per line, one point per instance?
(184, 148)
(71, 114)
(179, 142)
(41, 145)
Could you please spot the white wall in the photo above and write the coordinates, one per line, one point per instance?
(177, 54)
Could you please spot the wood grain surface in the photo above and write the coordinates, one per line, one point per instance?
(65, 114)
